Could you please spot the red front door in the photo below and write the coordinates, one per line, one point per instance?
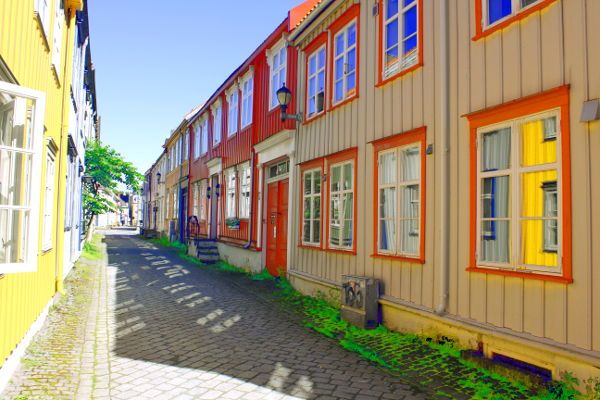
(277, 227)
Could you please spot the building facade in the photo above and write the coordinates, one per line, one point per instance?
(35, 82)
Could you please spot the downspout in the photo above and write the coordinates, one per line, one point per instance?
(251, 223)
(59, 256)
(445, 160)
(189, 131)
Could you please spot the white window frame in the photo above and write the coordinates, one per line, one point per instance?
(399, 185)
(516, 8)
(233, 112)
(247, 86)
(217, 112)
(59, 18)
(245, 190)
(230, 201)
(49, 195)
(204, 136)
(515, 172)
(312, 197)
(341, 194)
(404, 61)
(344, 55)
(42, 10)
(197, 140)
(278, 70)
(314, 97)
(30, 262)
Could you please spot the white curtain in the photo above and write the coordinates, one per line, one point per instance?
(387, 202)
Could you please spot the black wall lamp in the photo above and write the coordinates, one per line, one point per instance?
(158, 175)
(284, 97)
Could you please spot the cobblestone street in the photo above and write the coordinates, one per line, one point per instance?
(157, 327)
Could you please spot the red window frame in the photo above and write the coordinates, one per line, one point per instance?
(414, 136)
(381, 81)
(352, 13)
(481, 31)
(550, 99)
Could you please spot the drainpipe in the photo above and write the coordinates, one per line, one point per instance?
(251, 223)
(445, 160)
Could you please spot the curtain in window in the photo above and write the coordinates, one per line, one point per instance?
(387, 202)
(410, 200)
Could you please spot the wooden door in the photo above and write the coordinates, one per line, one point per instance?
(277, 224)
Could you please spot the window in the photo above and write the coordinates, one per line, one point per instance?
(341, 205)
(401, 30)
(279, 169)
(245, 181)
(311, 207)
(498, 10)
(217, 111)
(48, 202)
(175, 204)
(195, 198)
(247, 93)
(203, 199)
(184, 145)
(278, 73)
(204, 137)
(316, 82)
(521, 224)
(344, 63)
(233, 113)
(230, 202)
(42, 10)
(21, 138)
(59, 17)
(197, 143)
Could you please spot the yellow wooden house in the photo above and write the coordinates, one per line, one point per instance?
(36, 45)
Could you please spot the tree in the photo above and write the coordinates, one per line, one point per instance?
(105, 171)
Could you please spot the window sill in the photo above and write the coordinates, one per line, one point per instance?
(308, 120)
(349, 252)
(344, 102)
(414, 260)
(481, 32)
(399, 74)
(519, 274)
(316, 247)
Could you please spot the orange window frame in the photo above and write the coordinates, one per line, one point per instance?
(557, 98)
(325, 163)
(481, 31)
(381, 81)
(319, 164)
(350, 15)
(415, 136)
(318, 42)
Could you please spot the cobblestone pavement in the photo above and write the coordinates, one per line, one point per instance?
(154, 326)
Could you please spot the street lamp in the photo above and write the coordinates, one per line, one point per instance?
(284, 96)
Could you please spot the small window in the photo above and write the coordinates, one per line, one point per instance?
(245, 182)
(316, 82)
(311, 207)
(233, 113)
(279, 169)
(217, 125)
(344, 63)
(247, 94)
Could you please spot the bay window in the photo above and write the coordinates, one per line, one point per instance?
(278, 73)
(311, 207)
(233, 103)
(341, 205)
(315, 99)
(21, 143)
(247, 94)
(245, 174)
(401, 30)
(344, 63)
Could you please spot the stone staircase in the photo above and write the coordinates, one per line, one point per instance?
(207, 250)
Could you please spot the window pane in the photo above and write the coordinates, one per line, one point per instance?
(495, 154)
(351, 35)
(387, 168)
(15, 122)
(339, 91)
(525, 3)
(495, 241)
(350, 82)
(14, 229)
(316, 207)
(336, 175)
(411, 164)
(307, 209)
(532, 192)
(387, 235)
(312, 64)
(536, 149)
(533, 251)
(391, 34)
(317, 180)
(308, 183)
(498, 9)
(391, 9)
(348, 176)
(316, 231)
(351, 60)
(321, 58)
(387, 203)
(15, 178)
(410, 236)
(306, 231)
(410, 44)
(339, 68)
(410, 22)
(339, 44)
(495, 194)
(348, 219)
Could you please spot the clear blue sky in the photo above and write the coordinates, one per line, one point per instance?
(156, 60)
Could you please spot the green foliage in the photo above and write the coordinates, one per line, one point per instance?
(91, 249)
(107, 169)
(264, 275)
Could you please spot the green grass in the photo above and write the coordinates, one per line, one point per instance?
(92, 250)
